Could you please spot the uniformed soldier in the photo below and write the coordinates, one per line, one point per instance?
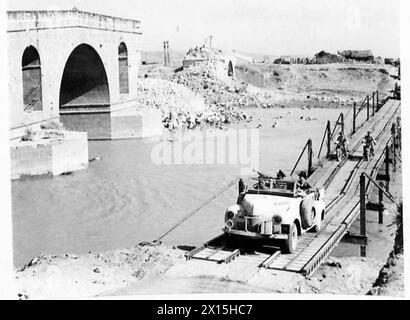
(342, 142)
(369, 145)
(302, 183)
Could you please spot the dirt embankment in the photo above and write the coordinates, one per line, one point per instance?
(149, 270)
(174, 94)
(390, 281)
(321, 84)
(271, 85)
(88, 275)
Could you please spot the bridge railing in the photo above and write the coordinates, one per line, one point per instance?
(26, 20)
(371, 103)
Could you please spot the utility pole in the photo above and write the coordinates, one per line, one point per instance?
(329, 138)
(310, 156)
(167, 61)
(165, 53)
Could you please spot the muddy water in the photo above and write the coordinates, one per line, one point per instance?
(126, 198)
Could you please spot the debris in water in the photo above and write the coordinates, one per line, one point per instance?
(334, 264)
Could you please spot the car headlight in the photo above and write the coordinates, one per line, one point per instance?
(277, 219)
(230, 214)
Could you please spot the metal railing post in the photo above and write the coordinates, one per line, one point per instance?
(329, 138)
(368, 107)
(354, 117)
(310, 156)
(363, 212)
(387, 167)
(393, 133)
(381, 205)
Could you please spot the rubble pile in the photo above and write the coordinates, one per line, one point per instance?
(202, 52)
(48, 132)
(179, 105)
(167, 96)
(223, 98)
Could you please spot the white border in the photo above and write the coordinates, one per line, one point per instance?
(6, 255)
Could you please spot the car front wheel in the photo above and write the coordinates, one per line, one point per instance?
(292, 240)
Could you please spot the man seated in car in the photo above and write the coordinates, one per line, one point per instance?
(302, 184)
(280, 175)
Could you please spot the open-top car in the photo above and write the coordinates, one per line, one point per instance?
(275, 209)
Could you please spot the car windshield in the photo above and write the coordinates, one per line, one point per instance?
(274, 185)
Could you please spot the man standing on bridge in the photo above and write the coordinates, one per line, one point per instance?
(342, 143)
(368, 149)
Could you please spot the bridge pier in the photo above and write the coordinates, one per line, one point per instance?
(386, 176)
(394, 145)
(381, 205)
(387, 167)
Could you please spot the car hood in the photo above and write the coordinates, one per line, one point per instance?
(268, 205)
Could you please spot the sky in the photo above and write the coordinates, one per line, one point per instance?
(258, 26)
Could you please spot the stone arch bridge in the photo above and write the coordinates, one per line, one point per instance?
(79, 67)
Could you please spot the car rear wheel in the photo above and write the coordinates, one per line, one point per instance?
(292, 240)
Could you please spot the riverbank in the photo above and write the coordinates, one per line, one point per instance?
(390, 281)
(88, 275)
(155, 270)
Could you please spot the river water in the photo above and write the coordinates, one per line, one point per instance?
(128, 197)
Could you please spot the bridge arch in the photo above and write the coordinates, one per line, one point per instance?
(123, 68)
(31, 73)
(84, 82)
